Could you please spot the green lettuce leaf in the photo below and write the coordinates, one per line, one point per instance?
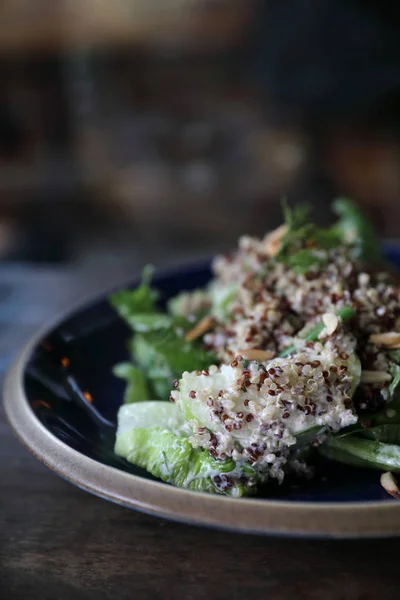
(370, 454)
(295, 218)
(388, 433)
(162, 352)
(302, 244)
(160, 387)
(357, 230)
(145, 322)
(136, 389)
(163, 356)
(298, 229)
(303, 260)
(150, 436)
(394, 355)
(172, 459)
(158, 347)
(302, 240)
(151, 413)
(140, 300)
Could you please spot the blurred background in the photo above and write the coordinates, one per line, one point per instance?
(155, 130)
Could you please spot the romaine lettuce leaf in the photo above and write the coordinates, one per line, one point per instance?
(151, 413)
(150, 436)
(136, 389)
(172, 459)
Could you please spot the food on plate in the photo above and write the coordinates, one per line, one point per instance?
(291, 351)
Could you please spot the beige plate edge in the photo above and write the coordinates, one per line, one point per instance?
(347, 520)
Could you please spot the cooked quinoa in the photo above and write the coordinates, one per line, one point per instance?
(260, 408)
(273, 302)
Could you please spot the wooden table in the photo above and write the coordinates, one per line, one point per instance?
(58, 542)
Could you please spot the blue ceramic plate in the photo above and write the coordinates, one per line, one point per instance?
(75, 438)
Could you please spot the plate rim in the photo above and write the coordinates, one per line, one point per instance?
(246, 515)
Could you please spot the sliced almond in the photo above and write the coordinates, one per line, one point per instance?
(202, 326)
(254, 354)
(394, 347)
(389, 483)
(389, 339)
(375, 377)
(273, 240)
(331, 322)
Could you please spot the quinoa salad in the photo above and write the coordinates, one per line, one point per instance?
(292, 351)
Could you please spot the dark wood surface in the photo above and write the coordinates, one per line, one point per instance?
(58, 542)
